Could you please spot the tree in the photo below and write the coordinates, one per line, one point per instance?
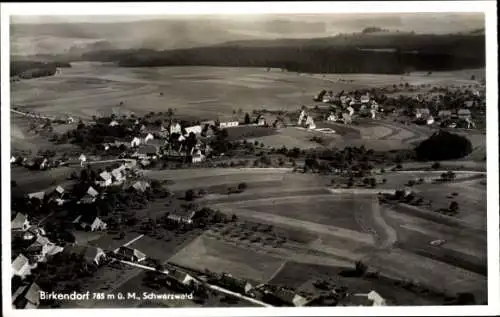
(242, 187)
(189, 195)
(247, 118)
(436, 165)
(454, 207)
(360, 267)
(443, 146)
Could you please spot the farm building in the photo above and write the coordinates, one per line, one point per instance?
(26, 297)
(422, 113)
(179, 279)
(370, 299)
(175, 128)
(234, 284)
(90, 196)
(444, 114)
(59, 190)
(113, 123)
(38, 195)
(148, 138)
(105, 179)
(90, 223)
(182, 216)
(287, 297)
(464, 113)
(20, 223)
(229, 124)
(89, 253)
(118, 174)
(141, 186)
(260, 120)
(21, 266)
(196, 129)
(197, 156)
(365, 99)
(135, 142)
(146, 151)
(132, 255)
(41, 248)
(82, 158)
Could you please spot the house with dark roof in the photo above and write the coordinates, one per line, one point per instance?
(234, 284)
(20, 223)
(26, 297)
(89, 253)
(132, 255)
(146, 151)
(90, 196)
(179, 280)
(287, 297)
(90, 223)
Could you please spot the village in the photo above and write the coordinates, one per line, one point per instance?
(111, 189)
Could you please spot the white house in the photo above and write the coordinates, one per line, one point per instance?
(229, 124)
(105, 179)
(90, 196)
(196, 129)
(376, 299)
(82, 159)
(148, 137)
(302, 116)
(422, 113)
(13, 159)
(332, 117)
(20, 223)
(113, 123)
(365, 99)
(175, 128)
(310, 123)
(261, 120)
(135, 142)
(350, 110)
(197, 156)
(141, 186)
(38, 195)
(118, 174)
(21, 266)
(182, 216)
(430, 120)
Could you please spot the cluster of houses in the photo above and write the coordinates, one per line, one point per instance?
(448, 118)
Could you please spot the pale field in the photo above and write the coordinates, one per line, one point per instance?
(89, 88)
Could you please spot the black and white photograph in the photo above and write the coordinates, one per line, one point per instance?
(330, 157)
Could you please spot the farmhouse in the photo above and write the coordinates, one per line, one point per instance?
(141, 186)
(234, 284)
(13, 159)
(118, 175)
(229, 124)
(175, 128)
(38, 195)
(113, 123)
(89, 253)
(82, 159)
(148, 137)
(146, 151)
(196, 129)
(179, 279)
(135, 142)
(132, 255)
(105, 179)
(90, 196)
(370, 299)
(260, 120)
(182, 216)
(288, 297)
(26, 297)
(197, 156)
(20, 222)
(365, 99)
(90, 223)
(41, 248)
(376, 299)
(59, 191)
(464, 114)
(21, 266)
(422, 113)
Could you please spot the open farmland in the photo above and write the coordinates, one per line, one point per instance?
(218, 256)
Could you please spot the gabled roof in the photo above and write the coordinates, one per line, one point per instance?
(19, 220)
(19, 262)
(233, 281)
(182, 213)
(30, 293)
(87, 251)
(92, 192)
(37, 195)
(289, 297)
(131, 252)
(179, 276)
(141, 185)
(105, 176)
(147, 149)
(117, 173)
(59, 189)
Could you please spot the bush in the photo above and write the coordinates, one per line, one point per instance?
(443, 146)
(436, 165)
(189, 195)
